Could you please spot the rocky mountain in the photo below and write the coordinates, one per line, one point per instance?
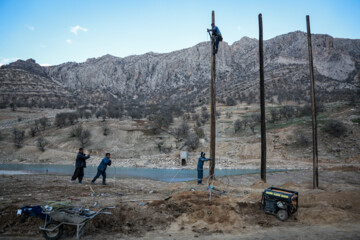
(182, 77)
(27, 84)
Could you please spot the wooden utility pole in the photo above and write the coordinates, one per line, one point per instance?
(212, 103)
(262, 102)
(313, 105)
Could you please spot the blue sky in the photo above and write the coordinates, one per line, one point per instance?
(57, 31)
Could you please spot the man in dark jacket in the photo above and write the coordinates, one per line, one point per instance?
(101, 170)
(200, 165)
(80, 164)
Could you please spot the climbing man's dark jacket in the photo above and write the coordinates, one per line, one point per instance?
(80, 160)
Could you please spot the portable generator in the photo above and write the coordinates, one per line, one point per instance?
(279, 202)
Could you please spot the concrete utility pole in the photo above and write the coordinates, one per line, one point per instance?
(262, 102)
(212, 103)
(313, 105)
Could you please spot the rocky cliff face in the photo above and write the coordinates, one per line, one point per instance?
(182, 77)
(28, 85)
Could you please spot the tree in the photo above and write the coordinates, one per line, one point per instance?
(18, 137)
(41, 143)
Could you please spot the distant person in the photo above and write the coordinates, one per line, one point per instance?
(101, 170)
(216, 34)
(80, 164)
(200, 165)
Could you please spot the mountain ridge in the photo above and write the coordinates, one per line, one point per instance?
(182, 76)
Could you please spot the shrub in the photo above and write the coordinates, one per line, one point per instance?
(287, 112)
(41, 143)
(217, 114)
(186, 117)
(76, 131)
(43, 122)
(302, 140)
(230, 101)
(204, 116)
(159, 122)
(65, 119)
(306, 110)
(335, 128)
(84, 138)
(195, 117)
(199, 132)
(228, 115)
(182, 131)
(238, 124)
(33, 131)
(163, 148)
(192, 141)
(106, 130)
(274, 115)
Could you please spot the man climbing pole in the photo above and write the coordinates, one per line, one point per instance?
(216, 34)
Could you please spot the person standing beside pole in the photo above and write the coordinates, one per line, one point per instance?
(200, 165)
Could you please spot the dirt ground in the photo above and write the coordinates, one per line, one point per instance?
(147, 209)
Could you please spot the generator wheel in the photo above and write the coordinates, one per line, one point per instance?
(282, 215)
(53, 235)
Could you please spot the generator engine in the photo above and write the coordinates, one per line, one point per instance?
(279, 202)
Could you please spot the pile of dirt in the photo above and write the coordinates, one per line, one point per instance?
(329, 208)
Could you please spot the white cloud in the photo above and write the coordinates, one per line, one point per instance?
(4, 61)
(31, 28)
(45, 64)
(77, 28)
(68, 41)
(238, 28)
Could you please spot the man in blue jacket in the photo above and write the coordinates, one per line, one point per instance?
(80, 164)
(101, 170)
(200, 165)
(216, 34)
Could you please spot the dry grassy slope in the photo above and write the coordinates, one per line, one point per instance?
(131, 144)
